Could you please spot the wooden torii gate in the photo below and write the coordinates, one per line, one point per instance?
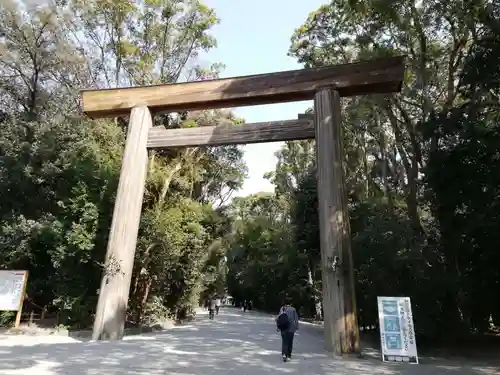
(325, 85)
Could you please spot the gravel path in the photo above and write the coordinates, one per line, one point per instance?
(233, 343)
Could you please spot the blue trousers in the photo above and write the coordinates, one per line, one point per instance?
(287, 343)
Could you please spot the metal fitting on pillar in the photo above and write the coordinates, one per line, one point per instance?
(334, 263)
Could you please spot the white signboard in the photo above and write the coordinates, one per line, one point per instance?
(11, 289)
(397, 333)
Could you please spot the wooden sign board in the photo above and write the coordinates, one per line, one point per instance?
(12, 291)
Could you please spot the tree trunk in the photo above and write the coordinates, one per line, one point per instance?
(167, 181)
(145, 284)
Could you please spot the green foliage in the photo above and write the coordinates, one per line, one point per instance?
(422, 167)
(421, 171)
(6, 318)
(59, 171)
(257, 254)
(463, 186)
(55, 189)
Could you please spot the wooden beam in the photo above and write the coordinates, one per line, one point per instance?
(113, 296)
(340, 321)
(274, 131)
(306, 116)
(19, 313)
(366, 77)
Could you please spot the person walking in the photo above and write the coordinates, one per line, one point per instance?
(287, 323)
(211, 308)
(217, 305)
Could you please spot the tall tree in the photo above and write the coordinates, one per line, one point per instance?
(59, 170)
(434, 36)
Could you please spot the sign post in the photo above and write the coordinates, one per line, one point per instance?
(12, 291)
(397, 333)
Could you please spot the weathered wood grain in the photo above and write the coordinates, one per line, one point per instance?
(341, 330)
(274, 131)
(366, 77)
(113, 296)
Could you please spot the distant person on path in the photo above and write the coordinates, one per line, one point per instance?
(287, 323)
(245, 305)
(217, 305)
(211, 308)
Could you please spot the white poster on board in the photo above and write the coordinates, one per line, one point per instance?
(11, 289)
(397, 333)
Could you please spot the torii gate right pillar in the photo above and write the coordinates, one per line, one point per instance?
(339, 299)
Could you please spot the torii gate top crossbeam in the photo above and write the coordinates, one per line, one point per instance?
(366, 77)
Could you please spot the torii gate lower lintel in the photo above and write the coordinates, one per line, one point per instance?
(325, 85)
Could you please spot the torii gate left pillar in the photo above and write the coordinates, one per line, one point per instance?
(109, 323)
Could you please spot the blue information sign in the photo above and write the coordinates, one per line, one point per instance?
(397, 334)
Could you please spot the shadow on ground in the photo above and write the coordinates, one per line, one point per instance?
(233, 343)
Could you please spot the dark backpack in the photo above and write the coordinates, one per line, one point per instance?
(283, 322)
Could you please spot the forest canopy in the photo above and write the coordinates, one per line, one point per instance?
(422, 167)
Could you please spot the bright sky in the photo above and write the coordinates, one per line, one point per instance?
(254, 37)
